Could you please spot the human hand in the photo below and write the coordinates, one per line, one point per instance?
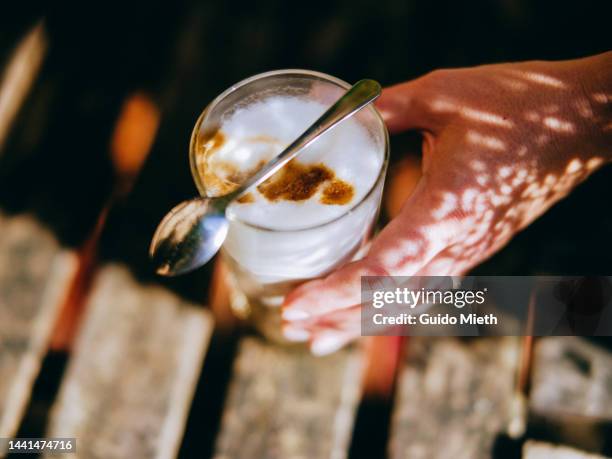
(501, 144)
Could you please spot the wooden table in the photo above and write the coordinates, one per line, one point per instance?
(130, 379)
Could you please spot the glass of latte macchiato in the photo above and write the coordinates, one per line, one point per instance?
(312, 216)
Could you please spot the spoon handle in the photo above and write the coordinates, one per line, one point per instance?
(362, 93)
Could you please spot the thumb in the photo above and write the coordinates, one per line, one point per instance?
(408, 243)
(403, 108)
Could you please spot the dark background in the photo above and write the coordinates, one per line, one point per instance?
(56, 162)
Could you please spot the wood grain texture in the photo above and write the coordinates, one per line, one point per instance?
(129, 384)
(453, 397)
(283, 403)
(571, 377)
(540, 450)
(35, 274)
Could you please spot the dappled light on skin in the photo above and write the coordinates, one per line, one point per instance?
(583, 107)
(447, 205)
(428, 242)
(407, 248)
(443, 105)
(540, 79)
(504, 172)
(574, 166)
(492, 214)
(491, 142)
(594, 163)
(558, 125)
(482, 179)
(485, 117)
(602, 98)
(449, 106)
(513, 84)
(397, 261)
(470, 198)
(502, 146)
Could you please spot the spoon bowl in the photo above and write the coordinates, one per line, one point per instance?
(189, 235)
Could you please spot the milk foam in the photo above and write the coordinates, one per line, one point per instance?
(255, 134)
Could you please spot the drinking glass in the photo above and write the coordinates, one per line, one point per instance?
(266, 263)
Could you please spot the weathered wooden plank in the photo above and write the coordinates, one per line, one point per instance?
(571, 377)
(540, 450)
(453, 398)
(19, 75)
(35, 274)
(129, 384)
(284, 403)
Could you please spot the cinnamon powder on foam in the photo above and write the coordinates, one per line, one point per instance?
(294, 182)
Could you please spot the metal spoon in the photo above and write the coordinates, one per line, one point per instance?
(193, 231)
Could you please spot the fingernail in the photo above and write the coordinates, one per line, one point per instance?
(296, 334)
(295, 314)
(326, 344)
